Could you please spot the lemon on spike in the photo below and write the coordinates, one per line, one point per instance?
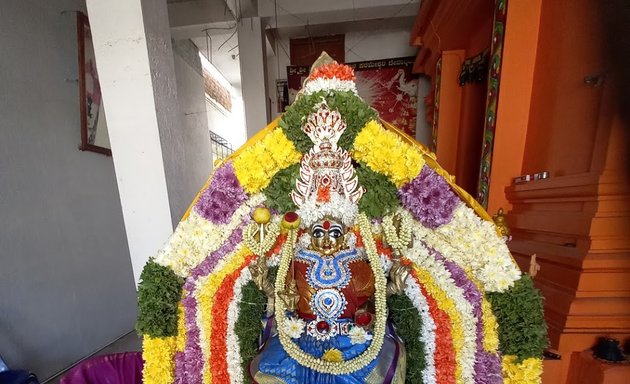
(291, 220)
(261, 215)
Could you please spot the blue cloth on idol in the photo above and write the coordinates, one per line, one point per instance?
(276, 362)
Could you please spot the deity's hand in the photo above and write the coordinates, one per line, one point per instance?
(398, 275)
(260, 272)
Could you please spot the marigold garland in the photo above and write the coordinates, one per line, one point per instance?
(206, 300)
(218, 342)
(445, 355)
(528, 371)
(257, 165)
(158, 354)
(333, 70)
(385, 152)
(447, 305)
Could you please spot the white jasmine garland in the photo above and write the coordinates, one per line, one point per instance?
(272, 230)
(398, 240)
(311, 211)
(425, 259)
(473, 243)
(334, 84)
(414, 293)
(195, 238)
(233, 357)
(359, 335)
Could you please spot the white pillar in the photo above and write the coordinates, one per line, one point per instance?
(252, 50)
(133, 56)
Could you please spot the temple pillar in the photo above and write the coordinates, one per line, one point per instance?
(135, 62)
(517, 78)
(450, 108)
(253, 60)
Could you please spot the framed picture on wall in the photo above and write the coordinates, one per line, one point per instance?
(94, 135)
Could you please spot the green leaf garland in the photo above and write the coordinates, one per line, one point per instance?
(355, 111)
(248, 326)
(277, 192)
(159, 292)
(409, 327)
(519, 313)
(380, 197)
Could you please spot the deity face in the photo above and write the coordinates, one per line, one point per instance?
(327, 236)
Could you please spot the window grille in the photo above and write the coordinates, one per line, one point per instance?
(221, 148)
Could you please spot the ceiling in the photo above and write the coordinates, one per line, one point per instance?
(211, 24)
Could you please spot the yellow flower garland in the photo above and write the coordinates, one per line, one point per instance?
(490, 325)
(529, 371)
(205, 299)
(447, 305)
(258, 163)
(386, 153)
(158, 354)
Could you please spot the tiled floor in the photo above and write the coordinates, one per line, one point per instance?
(131, 342)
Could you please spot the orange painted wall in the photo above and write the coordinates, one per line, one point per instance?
(564, 110)
(517, 76)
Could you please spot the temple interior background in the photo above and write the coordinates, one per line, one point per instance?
(112, 114)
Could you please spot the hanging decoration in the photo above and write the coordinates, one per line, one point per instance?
(492, 100)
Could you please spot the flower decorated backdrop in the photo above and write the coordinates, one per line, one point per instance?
(467, 314)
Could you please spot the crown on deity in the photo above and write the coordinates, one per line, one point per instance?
(328, 184)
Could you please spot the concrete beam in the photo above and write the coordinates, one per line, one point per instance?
(253, 61)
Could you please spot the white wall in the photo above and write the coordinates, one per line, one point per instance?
(191, 162)
(230, 125)
(66, 283)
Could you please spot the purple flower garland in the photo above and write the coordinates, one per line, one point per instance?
(487, 365)
(222, 197)
(429, 198)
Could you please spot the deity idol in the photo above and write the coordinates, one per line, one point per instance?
(326, 304)
(332, 248)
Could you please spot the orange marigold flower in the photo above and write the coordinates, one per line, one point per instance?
(328, 71)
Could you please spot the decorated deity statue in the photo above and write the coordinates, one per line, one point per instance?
(326, 304)
(332, 248)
